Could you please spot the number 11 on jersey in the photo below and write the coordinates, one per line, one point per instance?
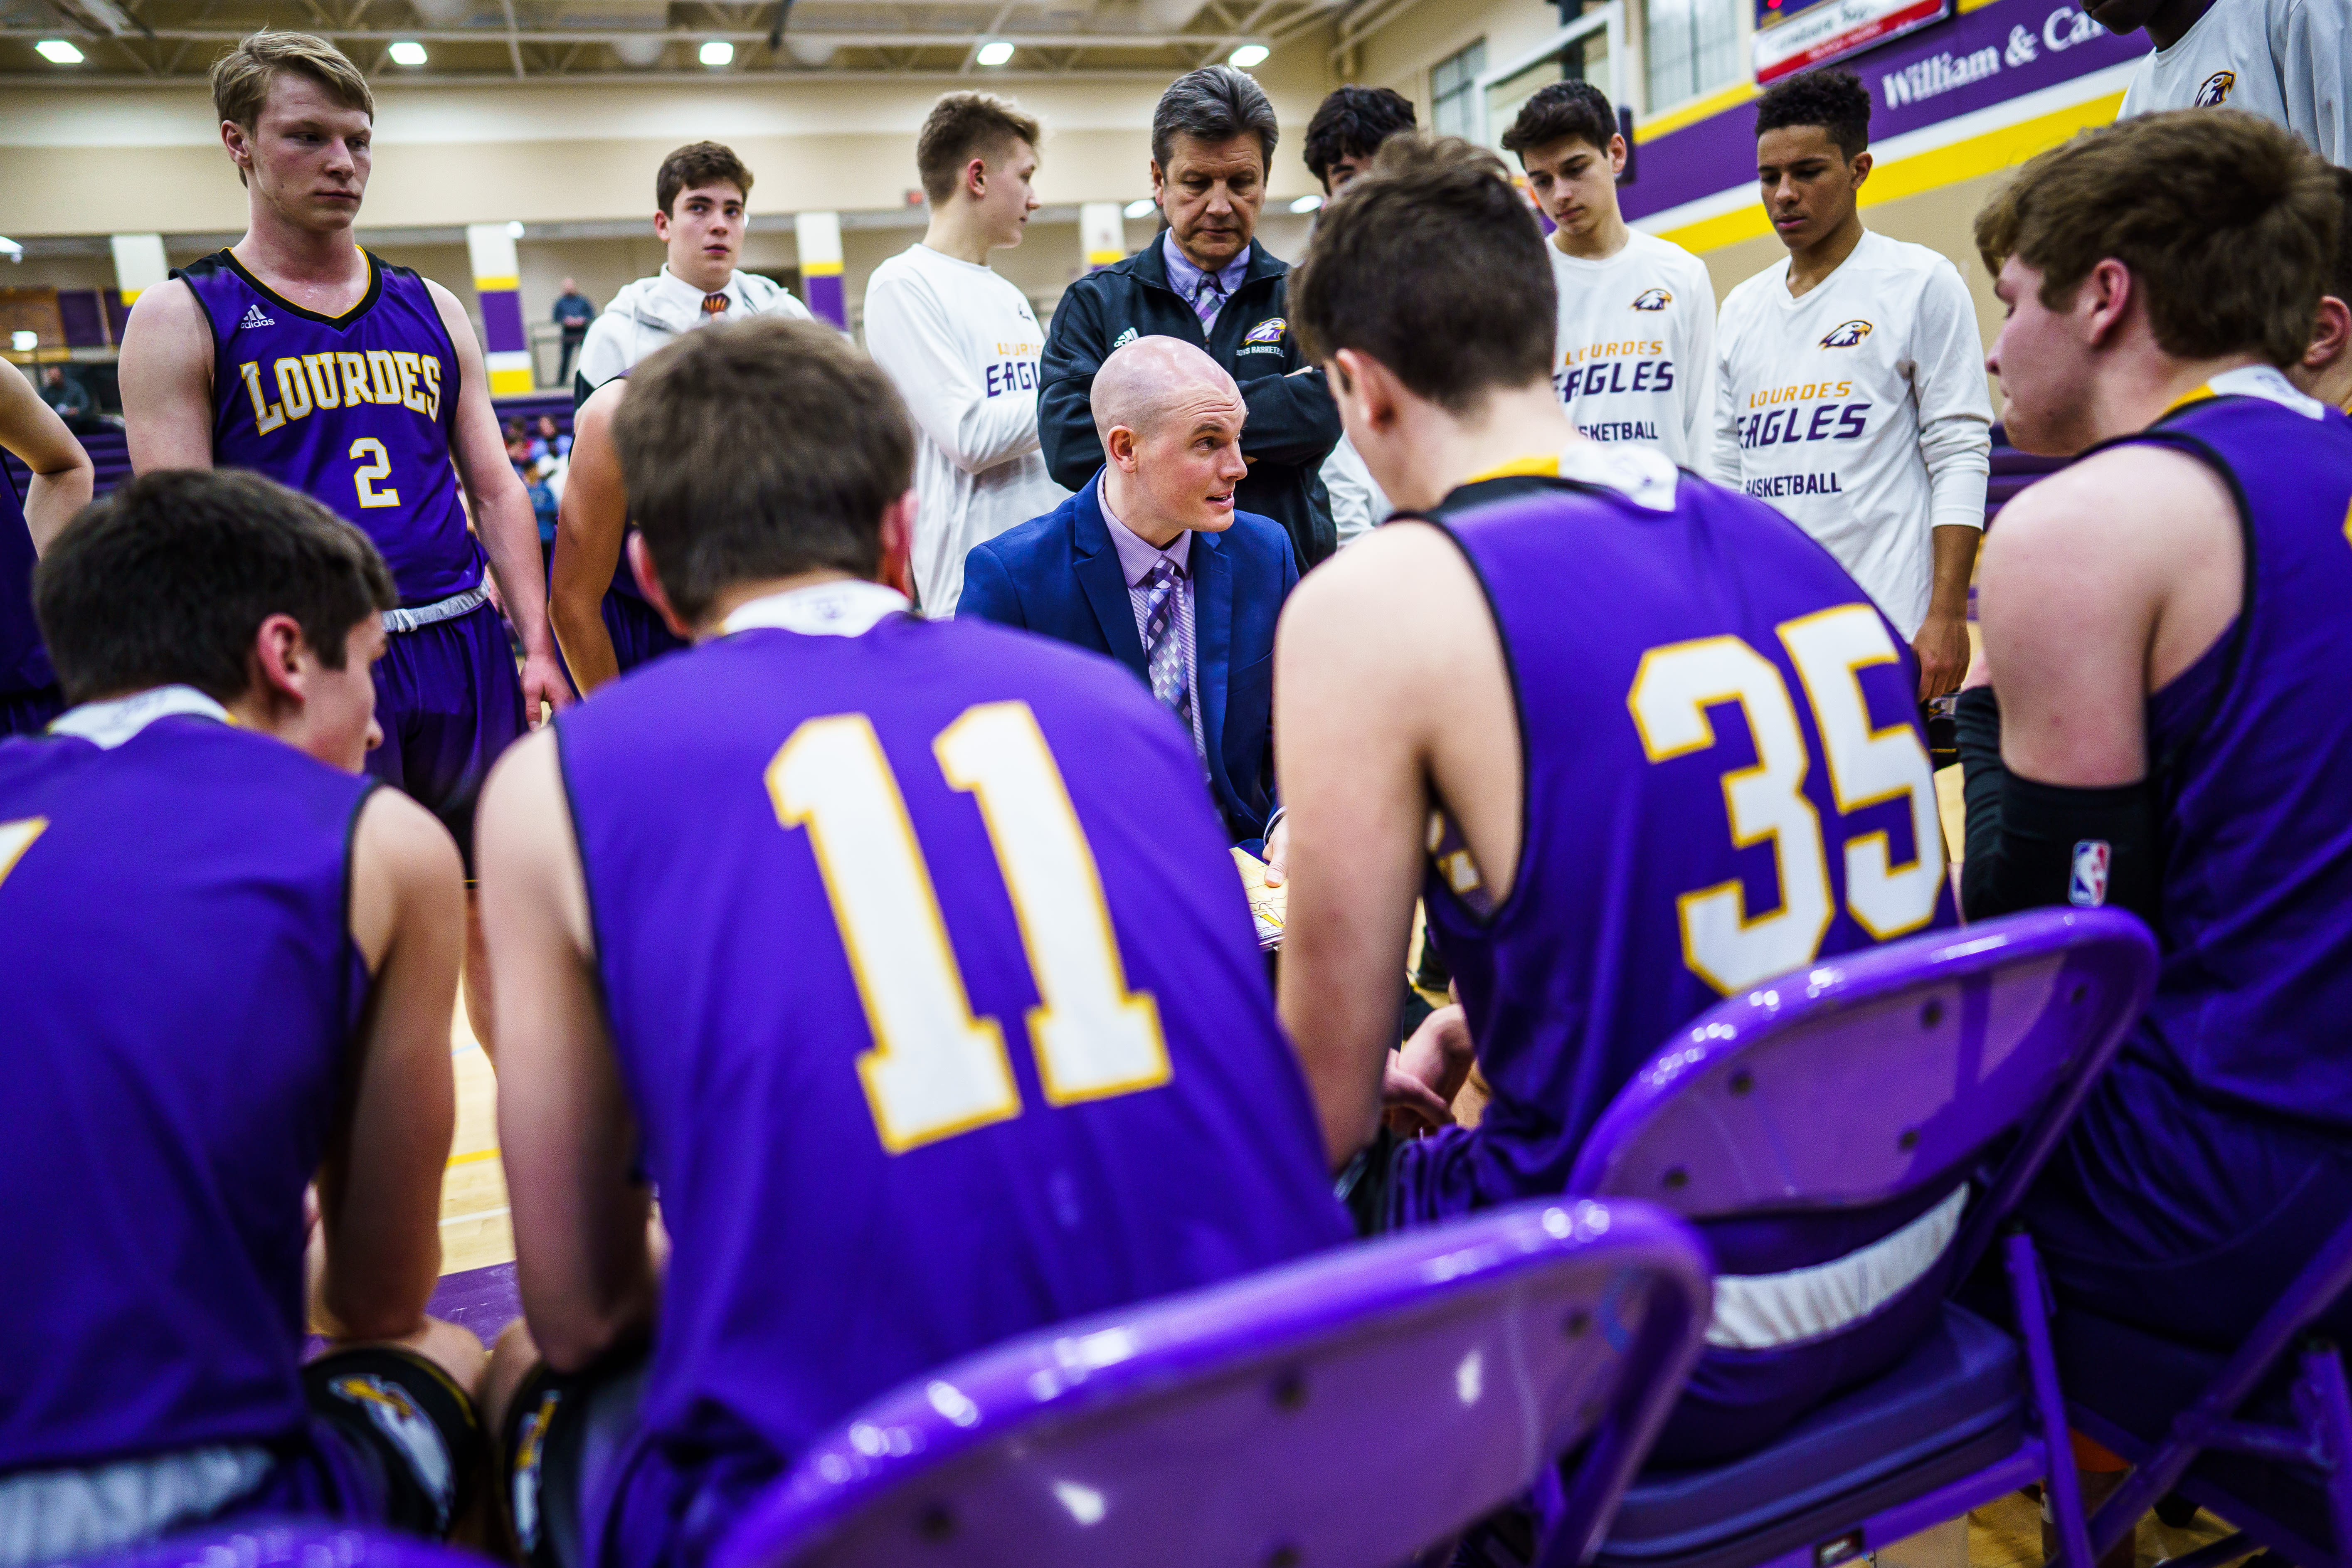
(936, 1069)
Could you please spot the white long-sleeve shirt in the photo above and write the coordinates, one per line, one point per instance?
(1359, 505)
(961, 345)
(649, 313)
(2289, 61)
(1634, 360)
(1860, 410)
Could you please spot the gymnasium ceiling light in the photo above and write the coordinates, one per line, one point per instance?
(994, 52)
(718, 52)
(57, 52)
(1140, 208)
(408, 52)
(1248, 55)
(1307, 203)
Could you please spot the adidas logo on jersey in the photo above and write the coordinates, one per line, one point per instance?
(1653, 299)
(1845, 334)
(254, 318)
(1121, 340)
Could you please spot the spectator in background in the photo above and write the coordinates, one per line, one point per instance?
(574, 312)
(1156, 563)
(528, 468)
(546, 443)
(1347, 129)
(1207, 282)
(71, 400)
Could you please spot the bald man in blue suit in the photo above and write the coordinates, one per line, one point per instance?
(1151, 564)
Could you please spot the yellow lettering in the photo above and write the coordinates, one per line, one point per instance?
(355, 380)
(320, 370)
(383, 377)
(267, 415)
(412, 397)
(293, 388)
(432, 367)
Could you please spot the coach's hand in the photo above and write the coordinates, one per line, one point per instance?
(1277, 853)
(1412, 1106)
(542, 681)
(1942, 647)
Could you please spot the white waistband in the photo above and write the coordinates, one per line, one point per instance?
(1768, 1311)
(448, 609)
(47, 1516)
(109, 724)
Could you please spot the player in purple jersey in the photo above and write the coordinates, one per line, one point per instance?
(300, 355)
(905, 958)
(601, 617)
(33, 434)
(231, 964)
(1636, 740)
(2165, 638)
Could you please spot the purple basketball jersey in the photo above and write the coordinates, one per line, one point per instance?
(24, 662)
(355, 411)
(2252, 747)
(939, 1006)
(182, 996)
(1725, 778)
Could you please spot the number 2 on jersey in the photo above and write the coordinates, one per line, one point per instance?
(936, 1069)
(363, 478)
(1672, 690)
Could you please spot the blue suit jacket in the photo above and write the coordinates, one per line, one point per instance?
(1060, 574)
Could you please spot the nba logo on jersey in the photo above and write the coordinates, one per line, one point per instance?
(1653, 299)
(2087, 888)
(1845, 334)
(2216, 91)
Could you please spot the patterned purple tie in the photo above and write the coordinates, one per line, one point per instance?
(1164, 641)
(1208, 300)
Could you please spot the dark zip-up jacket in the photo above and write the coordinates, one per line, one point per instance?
(1293, 422)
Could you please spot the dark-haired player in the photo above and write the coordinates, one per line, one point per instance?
(2157, 622)
(1565, 704)
(600, 616)
(297, 354)
(916, 955)
(231, 963)
(1636, 349)
(1347, 131)
(34, 436)
(1851, 392)
(961, 342)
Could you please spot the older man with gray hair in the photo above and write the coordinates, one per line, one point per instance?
(1155, 564)
(1207, 282)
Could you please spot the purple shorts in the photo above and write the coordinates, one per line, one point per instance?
(449, 702)
(637, 631)
(29, 712)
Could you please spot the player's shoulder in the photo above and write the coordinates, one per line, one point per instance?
(1751, 293)
(1664, 253)
(1886, 256)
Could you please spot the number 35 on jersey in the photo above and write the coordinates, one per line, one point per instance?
(1725, 943)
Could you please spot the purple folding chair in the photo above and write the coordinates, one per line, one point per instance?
(2263, 1437)
(1847, 1085)
(1346, 1410)
(288, 1543)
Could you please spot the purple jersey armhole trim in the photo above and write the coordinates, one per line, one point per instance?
(2162, 770)
(588, 896)
(353, 1008)
(1496, 913)
(182, 273)
(456, 360)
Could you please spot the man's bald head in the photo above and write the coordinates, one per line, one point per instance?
(1144, 382)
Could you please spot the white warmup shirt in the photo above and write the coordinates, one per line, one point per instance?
(962, 345)
(1359, 505)
(2289, 61)
(1860, 411)
(1634, 360)
(646, 314)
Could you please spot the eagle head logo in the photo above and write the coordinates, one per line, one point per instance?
(1845, 334)
(2216, 91)
(1653, 299)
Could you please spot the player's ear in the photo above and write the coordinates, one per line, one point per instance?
(2331, 336)
(1860, 164)
(274, 665)
(661, 226)
(899, 544)
(975, 178)
(1617, 154)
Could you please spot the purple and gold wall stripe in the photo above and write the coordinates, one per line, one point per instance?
(818, 236)
(498, 284)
